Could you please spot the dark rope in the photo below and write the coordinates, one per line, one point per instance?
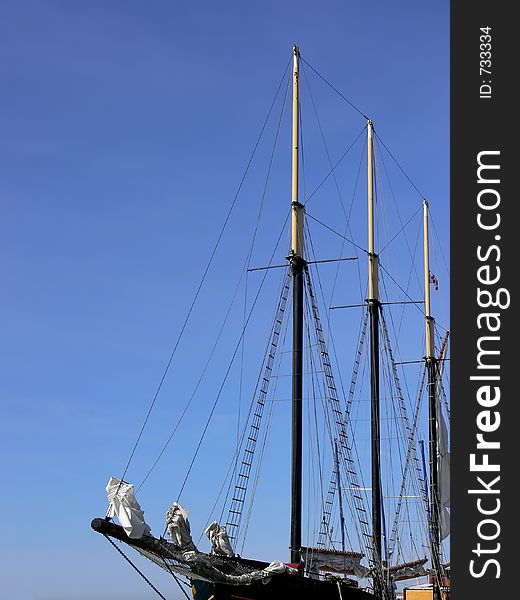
(206, 270)
(336, 90)
(240, 342)
(347, 216)
(177, 580)
(401, 230)
(230, 365)
(336, 232)
(246, 265)
(337, 163)
(400, 167)
(135, 567)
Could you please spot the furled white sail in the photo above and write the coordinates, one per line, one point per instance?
(443, 470)
(219, 539)
(333, 561)
(409, 570)
(179, 527)
(122, 503)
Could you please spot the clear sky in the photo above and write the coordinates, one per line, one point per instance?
(125, 127)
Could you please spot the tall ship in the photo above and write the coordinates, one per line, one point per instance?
(368, 451)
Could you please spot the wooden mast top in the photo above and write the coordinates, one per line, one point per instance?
(373, 286)
(297, 208)
(430, 345)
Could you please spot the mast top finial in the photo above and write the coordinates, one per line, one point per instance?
(296, 50)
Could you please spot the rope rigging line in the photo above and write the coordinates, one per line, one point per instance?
(197, 385)
(134, 567)
(417, 481)
(237, 449)
(241, 376)
(320, 501)
(354, 500)
(377, 571)
(324, 523)
(244, 270)
(336, 165)
(446, 265)
(232, 361)
(234, 458)
(412, 271)
(332, 171)
(335, 89)
(240, 496)
(212, 352)
(411, 455)
(343, 241)
(380, 154)
(263, 444)
(244, 473)
(401, 230)
(250, 252)
(246, 265)
(338, 420)
(248, 259)
(442, 393)
(400, 167)
(310, 346)
(177, 580)
(204, 275)
(336, 232)
(329, 385)
(326, 147)
(397, 330)
(238, 344)
(413, 302)
(410, 431)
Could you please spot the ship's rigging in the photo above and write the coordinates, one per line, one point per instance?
(378, 528)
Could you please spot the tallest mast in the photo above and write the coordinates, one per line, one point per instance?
(297, 265)
(373, 309)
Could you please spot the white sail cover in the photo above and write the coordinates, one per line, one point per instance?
(410, 570)
(219, 539)
(178, 527)
(443, 462)
(443, 470)
(122, 503)
(317, 560)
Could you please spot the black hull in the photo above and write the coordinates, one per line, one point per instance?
(280, 587)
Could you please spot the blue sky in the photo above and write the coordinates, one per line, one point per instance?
(124, 130)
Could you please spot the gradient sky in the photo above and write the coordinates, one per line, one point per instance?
(125, 127)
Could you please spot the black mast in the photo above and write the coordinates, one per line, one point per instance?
(373, 308)
(297, 266)
(431, 365)
(297, 389)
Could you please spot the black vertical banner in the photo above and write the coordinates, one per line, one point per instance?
(485, 432)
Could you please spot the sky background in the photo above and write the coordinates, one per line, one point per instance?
(125, 127)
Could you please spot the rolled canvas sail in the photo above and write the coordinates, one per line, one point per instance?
(122, 503)
(443, 469)
(179, 527)
(219, 539)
